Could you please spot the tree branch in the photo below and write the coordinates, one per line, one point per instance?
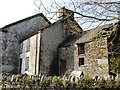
(96, 17)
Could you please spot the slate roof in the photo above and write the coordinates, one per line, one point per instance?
(30, 17)
(86, 36)
(91, 34)
(47, 26)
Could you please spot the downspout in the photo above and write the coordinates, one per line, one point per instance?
(39, 52)
(36, 52)
(38, 48)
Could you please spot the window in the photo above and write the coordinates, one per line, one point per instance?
(27, 63)
(28, 45)
(63, 60)
(81, 61)
(21, 47)
(81, 49)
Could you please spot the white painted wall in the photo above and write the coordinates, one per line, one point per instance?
(32, 54)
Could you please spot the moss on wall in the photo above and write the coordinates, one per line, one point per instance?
(114, 65)
(114, 49)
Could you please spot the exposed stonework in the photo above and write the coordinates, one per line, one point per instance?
(95, 59)
(91, 52)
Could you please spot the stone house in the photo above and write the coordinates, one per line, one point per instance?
(96, 52)
(12, 34)
(35, 45)
(43, 46)
(30, 45)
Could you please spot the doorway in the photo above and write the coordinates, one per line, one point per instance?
(20, 65)
(62, 67)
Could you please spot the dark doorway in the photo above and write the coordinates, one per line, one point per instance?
(20, 65)
(62, 67)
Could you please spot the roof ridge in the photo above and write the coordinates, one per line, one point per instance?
(27, 18)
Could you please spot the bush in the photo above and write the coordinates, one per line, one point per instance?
(56, 83)
(44, 83)
(85, 82)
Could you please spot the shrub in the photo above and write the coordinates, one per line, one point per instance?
(56, 83)
(44, 83)
(85, 82)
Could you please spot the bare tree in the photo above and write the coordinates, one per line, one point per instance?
(86, 12)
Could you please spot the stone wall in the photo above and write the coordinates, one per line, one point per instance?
(10, 57)
(95, 59)
(43, 82)
(71, 27)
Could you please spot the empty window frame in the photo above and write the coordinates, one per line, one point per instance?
(81, 61)
(62, 60)
(27, 63)
(28, 45)
(81, 49)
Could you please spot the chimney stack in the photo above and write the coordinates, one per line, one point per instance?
(63, 12)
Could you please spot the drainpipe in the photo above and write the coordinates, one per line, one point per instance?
(38, 48)
(36, 53)
(39, 52)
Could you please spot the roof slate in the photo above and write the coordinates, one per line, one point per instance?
(86, 36)
(30, 17)
(91, 34)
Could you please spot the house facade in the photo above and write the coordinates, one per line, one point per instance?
(32, 46)
(12, 35)
(44, 58)
(29, 54)
(36, 46)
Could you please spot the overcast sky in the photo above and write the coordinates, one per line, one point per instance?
(14, 10)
